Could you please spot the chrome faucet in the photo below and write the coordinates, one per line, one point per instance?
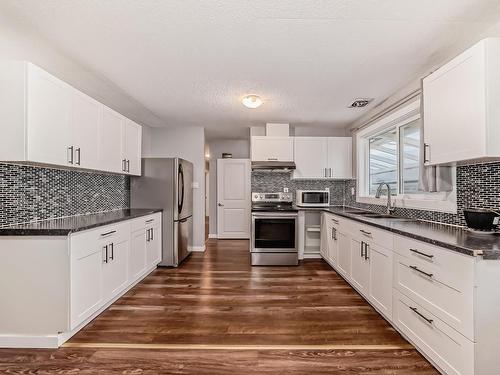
(390, 209)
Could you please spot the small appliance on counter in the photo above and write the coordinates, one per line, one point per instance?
(481, 220)
(313, 198)
(274, 240)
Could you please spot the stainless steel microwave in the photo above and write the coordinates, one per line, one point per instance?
(313, 198)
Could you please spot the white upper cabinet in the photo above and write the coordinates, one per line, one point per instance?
(339, 161)
(272, 148)
(311, 154)
(461, 112)
(323, 157)
(111, 140)
(84, 130)
(47, 121)
(48, 118)
(131, 147)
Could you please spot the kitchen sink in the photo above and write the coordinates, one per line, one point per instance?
(374, 215)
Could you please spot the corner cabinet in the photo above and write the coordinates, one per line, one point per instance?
(271, 148)
(48, 122)
(323, 157)
(460, 106)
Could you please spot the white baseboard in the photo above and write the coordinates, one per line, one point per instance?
(212, 235)
(312, 256)
(197, 248)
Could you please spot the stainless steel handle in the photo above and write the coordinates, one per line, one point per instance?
(112, 248)
(426, 147)
(70, 154)
(421, 253)
(124, 169)
(108, 233)
(334, 234)
(422, 272)
(105, 251)
(128, 165)
(330, 172)
(147, 235)
(415, 310)
(152, 234)
(78, 155)
(365, 232)
(361, 249)
(366, 252)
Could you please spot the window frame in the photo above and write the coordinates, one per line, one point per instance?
(441, 202)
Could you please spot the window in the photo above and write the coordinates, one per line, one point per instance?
(389, 152)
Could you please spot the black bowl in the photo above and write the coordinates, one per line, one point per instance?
(480, 218)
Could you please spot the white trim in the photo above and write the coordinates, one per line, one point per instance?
(439, 202)
(312, 256)
(212, 235)
(197, 248)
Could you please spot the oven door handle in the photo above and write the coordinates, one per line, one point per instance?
(274, 215)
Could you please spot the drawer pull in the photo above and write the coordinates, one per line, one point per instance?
(108, 233)
(365, 232)
(335, 221)
(415, 310)
(422, 272)
(421, 253)
(150, 220)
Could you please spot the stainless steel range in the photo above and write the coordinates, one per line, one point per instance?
(274, 230)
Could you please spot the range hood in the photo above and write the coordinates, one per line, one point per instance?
(282, 166)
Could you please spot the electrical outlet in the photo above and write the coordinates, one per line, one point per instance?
(353, 192)
(285, 190)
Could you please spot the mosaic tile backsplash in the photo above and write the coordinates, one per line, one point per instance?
(478, 186)
(29, 193)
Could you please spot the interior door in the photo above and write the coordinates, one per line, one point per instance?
(233, 198)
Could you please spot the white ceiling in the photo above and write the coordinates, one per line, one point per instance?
(190, 61)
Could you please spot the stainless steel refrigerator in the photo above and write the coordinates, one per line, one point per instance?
(167, 183)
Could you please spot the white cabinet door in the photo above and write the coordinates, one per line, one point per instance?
(48, 118)
(381, 270)
(454, 109)
(310, 154)
(333, 244)
(339, 162)
(114, 274)
(137, 254)
(344, 257)
(360, 266)
(86, 292)
(153, 245)
(323, 248)
(272, 148)
(132, 138)
(110, 141)
(85, 118)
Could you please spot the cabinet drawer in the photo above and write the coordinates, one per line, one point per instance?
(340, 223)
(449, 350)
(455, 270)
(145, 221)
(88, 242)
(429, 286)
(371, 234)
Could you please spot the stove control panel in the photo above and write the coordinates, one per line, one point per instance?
(272, 197)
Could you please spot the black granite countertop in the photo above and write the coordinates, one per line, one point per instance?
(72, 224)
(454, 238)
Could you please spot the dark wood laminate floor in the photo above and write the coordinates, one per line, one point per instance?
(217, 298)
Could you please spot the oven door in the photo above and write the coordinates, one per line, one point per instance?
(315, 198)
(274, 232)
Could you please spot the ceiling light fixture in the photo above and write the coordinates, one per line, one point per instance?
(252, 101)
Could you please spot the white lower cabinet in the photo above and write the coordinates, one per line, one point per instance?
(137, 255)
(344, 258)
(114, 275)
(153, 243)
(360, 266)
(381, 271)
(447, 348)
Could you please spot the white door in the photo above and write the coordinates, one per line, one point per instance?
(49, 116)
(114, 272)
(381, 270)
(339, 157)
(110, 141)
(137, 254)
(85, 118)
(360, 266)
(233, 198)
(344, 257)
(132, 147)
(310, 157)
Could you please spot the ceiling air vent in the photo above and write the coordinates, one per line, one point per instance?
(360, 102)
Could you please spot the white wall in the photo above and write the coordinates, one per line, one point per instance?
(17, 43)
(240, 148)
(187, 143)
